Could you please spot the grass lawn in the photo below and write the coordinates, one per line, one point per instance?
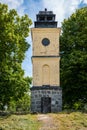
(71, 121)
(64, 120)
(19, 122)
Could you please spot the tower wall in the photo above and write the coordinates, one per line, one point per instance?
(53, 92)
(46, 93)
(38, 71)
(52, 34)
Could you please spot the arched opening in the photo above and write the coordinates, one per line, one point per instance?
(45, 75)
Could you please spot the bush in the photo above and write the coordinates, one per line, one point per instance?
(24, 103)
(12, 106)
(21, 105)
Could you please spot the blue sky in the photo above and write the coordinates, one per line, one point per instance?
(62, 8)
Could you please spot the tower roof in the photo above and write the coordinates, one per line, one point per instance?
(45, 19)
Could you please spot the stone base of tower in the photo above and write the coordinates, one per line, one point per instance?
(46, 99)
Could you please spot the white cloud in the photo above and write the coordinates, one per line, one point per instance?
(55, 6)
(62, 8)
(85, 1)
(12, 3)
(33, 7)
(15, 4)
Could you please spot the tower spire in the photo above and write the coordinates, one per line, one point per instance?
(45, 9)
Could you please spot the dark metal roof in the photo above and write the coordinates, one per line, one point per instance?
(45, 19)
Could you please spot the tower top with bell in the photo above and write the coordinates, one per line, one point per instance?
(45, 19)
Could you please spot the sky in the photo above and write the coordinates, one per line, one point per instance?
(62, 8)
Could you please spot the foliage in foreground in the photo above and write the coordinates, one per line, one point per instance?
(13, 33)
(74, 59)
(21, 122)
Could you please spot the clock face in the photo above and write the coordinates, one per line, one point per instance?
(45, 41)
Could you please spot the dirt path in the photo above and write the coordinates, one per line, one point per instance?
(48, 123)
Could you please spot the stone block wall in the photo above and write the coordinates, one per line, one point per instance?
(54, 92)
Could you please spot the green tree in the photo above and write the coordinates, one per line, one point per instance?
(74, 58)
(13, 33)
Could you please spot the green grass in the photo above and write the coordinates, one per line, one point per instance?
(64, 120)
(19, 122)
(71, 121)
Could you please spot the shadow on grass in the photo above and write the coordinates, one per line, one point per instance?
(6, 114)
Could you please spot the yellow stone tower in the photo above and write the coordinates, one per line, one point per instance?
(46, 94)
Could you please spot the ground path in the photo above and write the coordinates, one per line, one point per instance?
(48, 123)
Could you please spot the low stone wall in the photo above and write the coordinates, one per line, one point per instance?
(54, 92)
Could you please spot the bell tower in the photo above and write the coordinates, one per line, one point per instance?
(46, 93)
